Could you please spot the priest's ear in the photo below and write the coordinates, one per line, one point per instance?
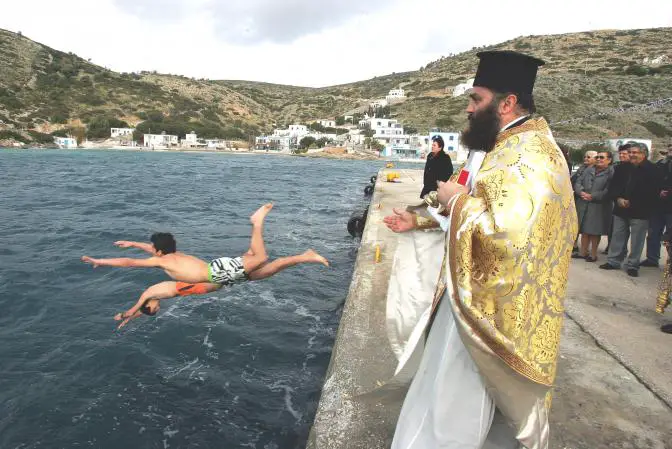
(516, 103)
(508, 104)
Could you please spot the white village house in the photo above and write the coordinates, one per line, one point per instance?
(395, 94)
(295, 130)
(461, 89)
(327, 123)
(387, 131)
(282, 139)
(121, 132)
(452, 147)
(191, 140)
(159, 140)
(65, 142)
(390, 133)
(379, 103)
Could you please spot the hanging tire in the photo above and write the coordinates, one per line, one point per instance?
(373, 179)
(368, 190)
(362, 224)
(355, 226)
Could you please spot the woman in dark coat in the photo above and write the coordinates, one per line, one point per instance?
(592, 204)
(438, 167)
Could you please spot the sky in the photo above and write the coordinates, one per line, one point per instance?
(303, 42)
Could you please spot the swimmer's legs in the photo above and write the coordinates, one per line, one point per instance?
(256, 255)
(282, 263)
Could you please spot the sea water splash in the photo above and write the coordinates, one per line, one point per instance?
(240, 367)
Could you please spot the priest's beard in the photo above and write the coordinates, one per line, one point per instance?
(481, 134)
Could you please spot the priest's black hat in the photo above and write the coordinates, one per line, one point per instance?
(507, 71)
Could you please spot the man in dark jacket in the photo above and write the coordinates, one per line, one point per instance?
(661, 218)
(635, 194)
(438, 167)
(619, 169)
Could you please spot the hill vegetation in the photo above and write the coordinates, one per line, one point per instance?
(588, 75)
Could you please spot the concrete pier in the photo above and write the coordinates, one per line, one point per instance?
(613, 388)
(361, 356)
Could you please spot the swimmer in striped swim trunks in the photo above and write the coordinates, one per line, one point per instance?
(193, 276)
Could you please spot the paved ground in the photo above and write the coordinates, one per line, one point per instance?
(619, 312)
(599, 404)
(614, 387)
(614, 384)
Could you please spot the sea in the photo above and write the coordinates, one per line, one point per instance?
(242, 367)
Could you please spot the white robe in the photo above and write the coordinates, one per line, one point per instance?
(415, 272)
(447, 405)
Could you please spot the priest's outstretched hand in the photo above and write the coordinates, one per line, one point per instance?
(401, 221)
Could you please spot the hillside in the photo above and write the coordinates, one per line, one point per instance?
(586, 74)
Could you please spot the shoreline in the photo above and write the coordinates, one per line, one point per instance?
(318, 155)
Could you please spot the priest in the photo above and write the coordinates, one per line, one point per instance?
(484, 352)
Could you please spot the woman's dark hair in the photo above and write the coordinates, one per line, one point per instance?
(164, 242)
(439, 141)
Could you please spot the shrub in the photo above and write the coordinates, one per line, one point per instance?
(656, 129)
(9, 100)
(306, 142)
(636, 69)
(444, 122)
(39, 137)
(58, 117)
(8, 134)
(155, 116)
(99, 127)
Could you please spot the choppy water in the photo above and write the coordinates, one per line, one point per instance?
(242, 367)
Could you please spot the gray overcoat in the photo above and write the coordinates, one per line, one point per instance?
(594, 215)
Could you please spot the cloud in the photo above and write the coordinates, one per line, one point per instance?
(155, 10)
(302, 42)
(251, 22)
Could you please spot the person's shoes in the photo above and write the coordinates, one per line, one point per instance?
(648, 263)
(591, 259)
(608, 266)
(632, 272)
(667, 328)
(577, 256)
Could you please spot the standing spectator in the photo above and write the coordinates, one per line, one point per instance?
(438, 167)
(588, 161)
(593, 205)
(619, 166)
(635, 193)
(661, 218)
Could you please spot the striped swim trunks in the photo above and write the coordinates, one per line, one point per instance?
(227, 271)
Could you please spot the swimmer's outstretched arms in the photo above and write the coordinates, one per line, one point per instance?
(194, 275)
